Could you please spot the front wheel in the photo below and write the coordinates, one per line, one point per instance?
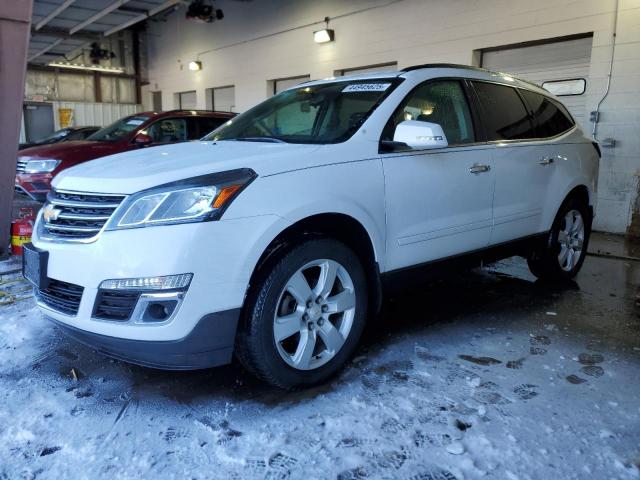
(564, 252)
(304, 318)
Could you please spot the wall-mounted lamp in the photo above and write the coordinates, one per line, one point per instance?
(325, 35)
(195, 65)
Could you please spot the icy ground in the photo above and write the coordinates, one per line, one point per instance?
(486, 375)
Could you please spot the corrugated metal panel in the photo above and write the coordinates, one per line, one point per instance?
(100, 114)
(546, 62)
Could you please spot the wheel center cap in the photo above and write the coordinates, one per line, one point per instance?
(315, 312)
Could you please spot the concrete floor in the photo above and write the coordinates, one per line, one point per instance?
(487, 374)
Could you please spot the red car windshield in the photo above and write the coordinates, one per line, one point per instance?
(119, 129)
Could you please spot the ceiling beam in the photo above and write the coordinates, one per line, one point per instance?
(63, 6)
(141, 17)
(98, 15)
(45, 49)
(60, 33)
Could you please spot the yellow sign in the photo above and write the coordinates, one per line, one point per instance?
(66, 117)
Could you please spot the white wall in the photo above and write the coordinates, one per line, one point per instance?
(407, 32)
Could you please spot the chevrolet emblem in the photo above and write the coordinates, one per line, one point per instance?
(50, 214)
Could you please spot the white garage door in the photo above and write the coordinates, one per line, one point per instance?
(283, 83)
(548, 62)
(383, 67)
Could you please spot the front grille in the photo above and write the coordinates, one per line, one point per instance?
(80, 215)
(21, 165)
(61, 296)
(115, 305)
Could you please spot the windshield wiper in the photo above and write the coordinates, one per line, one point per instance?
(259, 139)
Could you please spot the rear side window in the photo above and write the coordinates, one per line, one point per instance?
(550, 117)
(503, 113)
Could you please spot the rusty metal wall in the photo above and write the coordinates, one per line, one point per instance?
(15, 18)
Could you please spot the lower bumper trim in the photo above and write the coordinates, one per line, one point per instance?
(209, 344)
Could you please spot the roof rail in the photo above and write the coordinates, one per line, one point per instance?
(466, 67)
(442, 65)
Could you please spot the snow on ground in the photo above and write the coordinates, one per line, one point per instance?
(485, 375)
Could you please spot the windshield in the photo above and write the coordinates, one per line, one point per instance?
(326, 113)
(119, 129)
(58, 134)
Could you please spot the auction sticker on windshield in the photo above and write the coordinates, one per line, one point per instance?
(366, 87)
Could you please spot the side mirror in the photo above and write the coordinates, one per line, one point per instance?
(420, 135)
(142, 140)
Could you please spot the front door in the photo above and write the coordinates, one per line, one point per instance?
(438, 202)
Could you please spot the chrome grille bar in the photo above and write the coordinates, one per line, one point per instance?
(21, 165)
(77, 216)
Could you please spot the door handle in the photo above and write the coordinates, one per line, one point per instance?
(546, 161)
(479, 168)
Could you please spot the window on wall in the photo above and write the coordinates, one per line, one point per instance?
(282, 84)
(380, 67)
(186, 100)
(222, 99)
(503, 113)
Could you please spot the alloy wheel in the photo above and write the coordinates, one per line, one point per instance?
(314, 314)
(571, 240)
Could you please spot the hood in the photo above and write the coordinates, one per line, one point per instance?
(138, 170)
(79, 150)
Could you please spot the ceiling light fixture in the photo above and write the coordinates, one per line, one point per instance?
(325, 35)
(80, 66)
(195, 65)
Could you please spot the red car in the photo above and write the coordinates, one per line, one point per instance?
(38, 165)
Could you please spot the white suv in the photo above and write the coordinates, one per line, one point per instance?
(275, 236)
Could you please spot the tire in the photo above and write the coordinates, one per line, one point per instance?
(562, 255)
(284, 303)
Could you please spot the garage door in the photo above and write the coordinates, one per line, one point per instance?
(383, 67)
(548, 62)
(187, 100)
(282, 84)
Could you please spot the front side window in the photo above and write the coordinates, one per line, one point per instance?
(550, 117)
(119, 130)
(443, 102)
(168, 130)
(319, 114)
(504, 115)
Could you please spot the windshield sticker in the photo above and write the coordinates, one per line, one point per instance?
(366, 87)
(135, 122)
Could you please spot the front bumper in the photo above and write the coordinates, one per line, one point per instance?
(221, 255)
(35, 185)
(209, 344)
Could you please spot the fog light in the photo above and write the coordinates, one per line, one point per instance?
(169, 282)
(156, 308)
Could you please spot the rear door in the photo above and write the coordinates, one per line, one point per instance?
(521, 177)
(438, 202)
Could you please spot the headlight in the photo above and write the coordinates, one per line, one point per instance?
(193, 200)
(41, 166)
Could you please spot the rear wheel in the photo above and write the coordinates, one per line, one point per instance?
(564, 252)
(305, 317)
